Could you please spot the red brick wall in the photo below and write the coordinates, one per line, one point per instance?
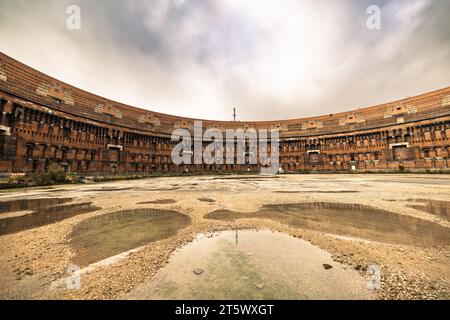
(43, 120)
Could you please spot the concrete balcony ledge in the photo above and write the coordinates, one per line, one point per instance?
(6, 129)
(400, 144)
(113, 146)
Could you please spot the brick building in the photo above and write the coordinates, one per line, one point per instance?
(43, 121)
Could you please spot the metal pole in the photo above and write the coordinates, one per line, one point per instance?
(235, 150)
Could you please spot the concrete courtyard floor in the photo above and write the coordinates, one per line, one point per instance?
(34, 260)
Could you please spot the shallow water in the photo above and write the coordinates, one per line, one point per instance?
(159, 201)
(309, 191)
(414, 180)
(252, 265)
(30, 204)
(113, 189)
(44, 216)
(208, 200)
(246, 178)
(435, 207)
(349, 220)
(104, 236)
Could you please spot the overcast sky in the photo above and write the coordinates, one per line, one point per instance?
(271, 59)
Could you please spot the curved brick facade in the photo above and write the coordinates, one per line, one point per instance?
(44, 120)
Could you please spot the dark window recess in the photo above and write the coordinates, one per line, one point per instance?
(29, 151)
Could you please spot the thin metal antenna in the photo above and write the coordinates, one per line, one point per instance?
(235, 166)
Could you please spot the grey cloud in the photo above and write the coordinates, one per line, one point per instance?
(201, 58)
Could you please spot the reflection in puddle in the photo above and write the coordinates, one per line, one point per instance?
(249, 178)
(252, 265)
(415, 180)
(349, 220)
(435, 207)
(44, 216)
(164, 189)
(209, 200)
(104, 236)
(325, 192)
(112, 189)
(30, 204)
(159, 201)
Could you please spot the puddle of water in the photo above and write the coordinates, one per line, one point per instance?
(58, 190)
(325, 192)
(104, 236)
(435, 207)
(164, 189)
(159, 201)
(252, 265)
(44, 216)
(250, 178)
(415, 180)
(349, 220)
(112, 189)
(30, 204)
